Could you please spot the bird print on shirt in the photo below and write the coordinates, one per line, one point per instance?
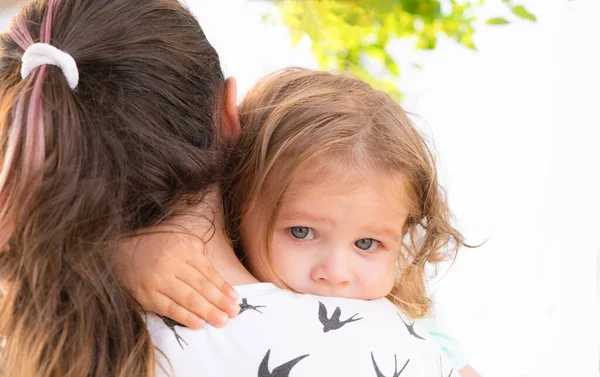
(410, 328)
(442, 369)
(245, 306)
(171, 324)
(281, 371)
(397, 372)
(334, 322)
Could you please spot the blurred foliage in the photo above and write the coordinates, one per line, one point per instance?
(344, 32)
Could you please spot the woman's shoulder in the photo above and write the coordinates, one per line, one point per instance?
(277, 301)
(315, 334)
(271, 292)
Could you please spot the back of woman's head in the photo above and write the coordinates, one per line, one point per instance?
(81, 167)
(295, 116)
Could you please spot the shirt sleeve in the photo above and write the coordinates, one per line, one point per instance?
(446, 342)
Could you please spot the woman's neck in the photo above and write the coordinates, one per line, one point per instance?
(206, 222)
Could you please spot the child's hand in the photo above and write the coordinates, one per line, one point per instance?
(169, 274)
(468, 371)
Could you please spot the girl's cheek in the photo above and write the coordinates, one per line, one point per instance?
(384, 272)
(281, 242)
(283, 251)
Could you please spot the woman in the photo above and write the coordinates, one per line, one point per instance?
(115, 116)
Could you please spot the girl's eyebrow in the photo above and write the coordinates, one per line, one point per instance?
(292, 215)
(394, 233)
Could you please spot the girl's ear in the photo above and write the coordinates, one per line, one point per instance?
(230, 119)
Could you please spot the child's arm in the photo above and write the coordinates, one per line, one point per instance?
(168, 273)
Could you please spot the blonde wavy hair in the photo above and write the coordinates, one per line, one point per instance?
(295, 115)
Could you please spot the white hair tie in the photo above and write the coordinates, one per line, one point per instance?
(42, 53)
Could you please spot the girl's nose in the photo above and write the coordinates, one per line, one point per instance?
(332, 269)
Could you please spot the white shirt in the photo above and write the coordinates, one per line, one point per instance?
(283, 334)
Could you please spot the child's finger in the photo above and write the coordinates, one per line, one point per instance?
(208, 290)
(186, 296)
(169, 308)
(201, 263)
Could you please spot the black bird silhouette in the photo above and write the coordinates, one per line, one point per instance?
(245, 306)
(410, 328)
(396, 371)
(281, 371)
(171, 324)
(333, 323)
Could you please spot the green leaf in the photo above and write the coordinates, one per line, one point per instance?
(391, 65)
(466, 40)
(426, 43)
(520, 11)
(296, 35)
(410, 6)
(378, 6)
(497, 21)
(375, 52)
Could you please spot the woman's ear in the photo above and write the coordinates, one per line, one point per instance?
(230, 119)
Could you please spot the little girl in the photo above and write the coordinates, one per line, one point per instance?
(334, 192)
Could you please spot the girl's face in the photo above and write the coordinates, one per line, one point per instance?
(337, 234)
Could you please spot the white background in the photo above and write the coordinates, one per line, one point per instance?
(516, 127)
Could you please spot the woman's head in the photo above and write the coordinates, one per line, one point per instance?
(335, 192)
(82, 167)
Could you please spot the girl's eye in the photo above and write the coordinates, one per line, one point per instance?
(301, 232)
(366, 244)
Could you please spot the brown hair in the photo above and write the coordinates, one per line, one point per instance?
(295, 115)
(83, 167)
